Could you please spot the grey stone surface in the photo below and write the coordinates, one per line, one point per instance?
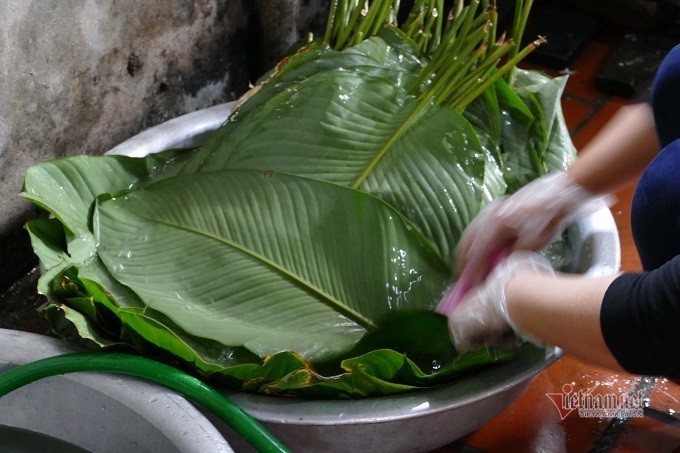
(630, 69)
(79, 76)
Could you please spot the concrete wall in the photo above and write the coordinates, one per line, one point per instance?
(79, 76)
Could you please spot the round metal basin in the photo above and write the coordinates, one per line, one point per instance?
(417, 421)
(94, 412)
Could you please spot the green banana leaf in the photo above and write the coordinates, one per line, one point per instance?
(380, 372)
(388, 56)
(267, 261)
(523, 127)
(362, 129)
(383, 140)
(67, 189)
(89, 305)
(107, 311)
(86, 300)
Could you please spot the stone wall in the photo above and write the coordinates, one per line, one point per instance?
(79, 76)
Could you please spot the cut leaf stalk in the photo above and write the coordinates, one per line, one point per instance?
(520, 18)
(493, 30)
(454, 47)
(507, 67)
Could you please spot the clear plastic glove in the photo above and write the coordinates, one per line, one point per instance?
(482, 317)
(527, 220)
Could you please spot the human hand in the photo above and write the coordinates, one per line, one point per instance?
(527, 220)
(482, 318)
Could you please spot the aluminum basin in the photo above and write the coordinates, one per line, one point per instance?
(94, 412)
(417, 421)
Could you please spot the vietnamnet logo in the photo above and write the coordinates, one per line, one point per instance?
(597, 405)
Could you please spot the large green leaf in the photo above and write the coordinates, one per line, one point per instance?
(67, 188)
(48, 238)
(523, 127)
(267, 261)
(379, 372)
(364, 131)
(82, 293)
(389, 57)
(545, 145)
(104, 312)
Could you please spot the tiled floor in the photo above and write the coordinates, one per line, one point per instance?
(533, 423)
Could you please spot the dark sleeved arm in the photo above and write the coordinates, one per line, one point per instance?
(640, 320)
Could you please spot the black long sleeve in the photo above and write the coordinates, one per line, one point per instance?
(640, 320)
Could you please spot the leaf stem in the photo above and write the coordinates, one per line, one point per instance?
(344, 36)
(352, 21)
(509, 66)
(464, 53)
(520, 18)
(493, 19)
(330, 23)
(412, 117)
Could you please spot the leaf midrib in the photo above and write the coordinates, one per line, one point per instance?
(405, 125)
(326, 298)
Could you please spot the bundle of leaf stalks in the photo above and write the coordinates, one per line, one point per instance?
(331, 199)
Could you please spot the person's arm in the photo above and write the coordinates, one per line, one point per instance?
(619, 152)
(629, 321)
(563, 311)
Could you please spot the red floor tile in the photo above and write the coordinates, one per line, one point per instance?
(575, 110)
(582, 76)
(599, 118)
(584, 70)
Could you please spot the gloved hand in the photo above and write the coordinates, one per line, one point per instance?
(528, 220)
(482, 317)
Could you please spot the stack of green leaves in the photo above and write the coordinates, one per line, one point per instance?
(331, 199)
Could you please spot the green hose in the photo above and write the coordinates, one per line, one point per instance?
(192, 388)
